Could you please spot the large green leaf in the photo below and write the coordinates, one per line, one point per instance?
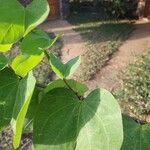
(11, 21)
(22, 101)
(23, 64)
(3, 61)
(64, 70)
(104, 130)
(35, 42)
(8, 89)
(136, 136)
(36, 13)
(63, 122)
(75, 85)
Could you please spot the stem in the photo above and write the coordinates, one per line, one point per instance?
(47, 55)
(65, 81)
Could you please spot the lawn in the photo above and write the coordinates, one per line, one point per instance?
(103, 38)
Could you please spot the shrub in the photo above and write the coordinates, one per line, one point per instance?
(120, 8)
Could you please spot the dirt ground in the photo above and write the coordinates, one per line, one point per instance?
(74, 45)
(136, 44)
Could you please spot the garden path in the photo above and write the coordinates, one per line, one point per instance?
(136, 44)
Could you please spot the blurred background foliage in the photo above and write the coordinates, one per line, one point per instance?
(113, 9)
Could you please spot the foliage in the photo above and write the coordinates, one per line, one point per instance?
(136, 86)
(52, 130)
(16, 24)
(108, 9)
(60, 114)
(120, 8)
(136, 135)
(3, 62)
(42, 72)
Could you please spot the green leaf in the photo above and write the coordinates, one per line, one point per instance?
(3, 61)
(32, 110)
(8, 89)
(57, 66)
(36, 13)
(71, 66)
(17, 20)
(136, 136)
(5, 47)
(11, 22)
(35, 42)
(104, 129)
(22, 101)
(23, 64)
(64, 70)
(76, 86)
(63, 122)
(15, 95)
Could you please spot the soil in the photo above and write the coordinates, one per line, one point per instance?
(135, 45)
(73, 44)
(108, 77)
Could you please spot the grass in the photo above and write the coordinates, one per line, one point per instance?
(103, 39)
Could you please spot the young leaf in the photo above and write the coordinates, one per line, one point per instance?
(3, 61)
(36, 13)
(11, 23)
(63, 122)
(57, 66)
(71, 66)
(136, 136)
(23, 64)
(64, 70)
(22, 101)
(35, 42)
(76, 86)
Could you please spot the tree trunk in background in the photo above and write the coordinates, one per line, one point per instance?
(147, 9)
(54, 9)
